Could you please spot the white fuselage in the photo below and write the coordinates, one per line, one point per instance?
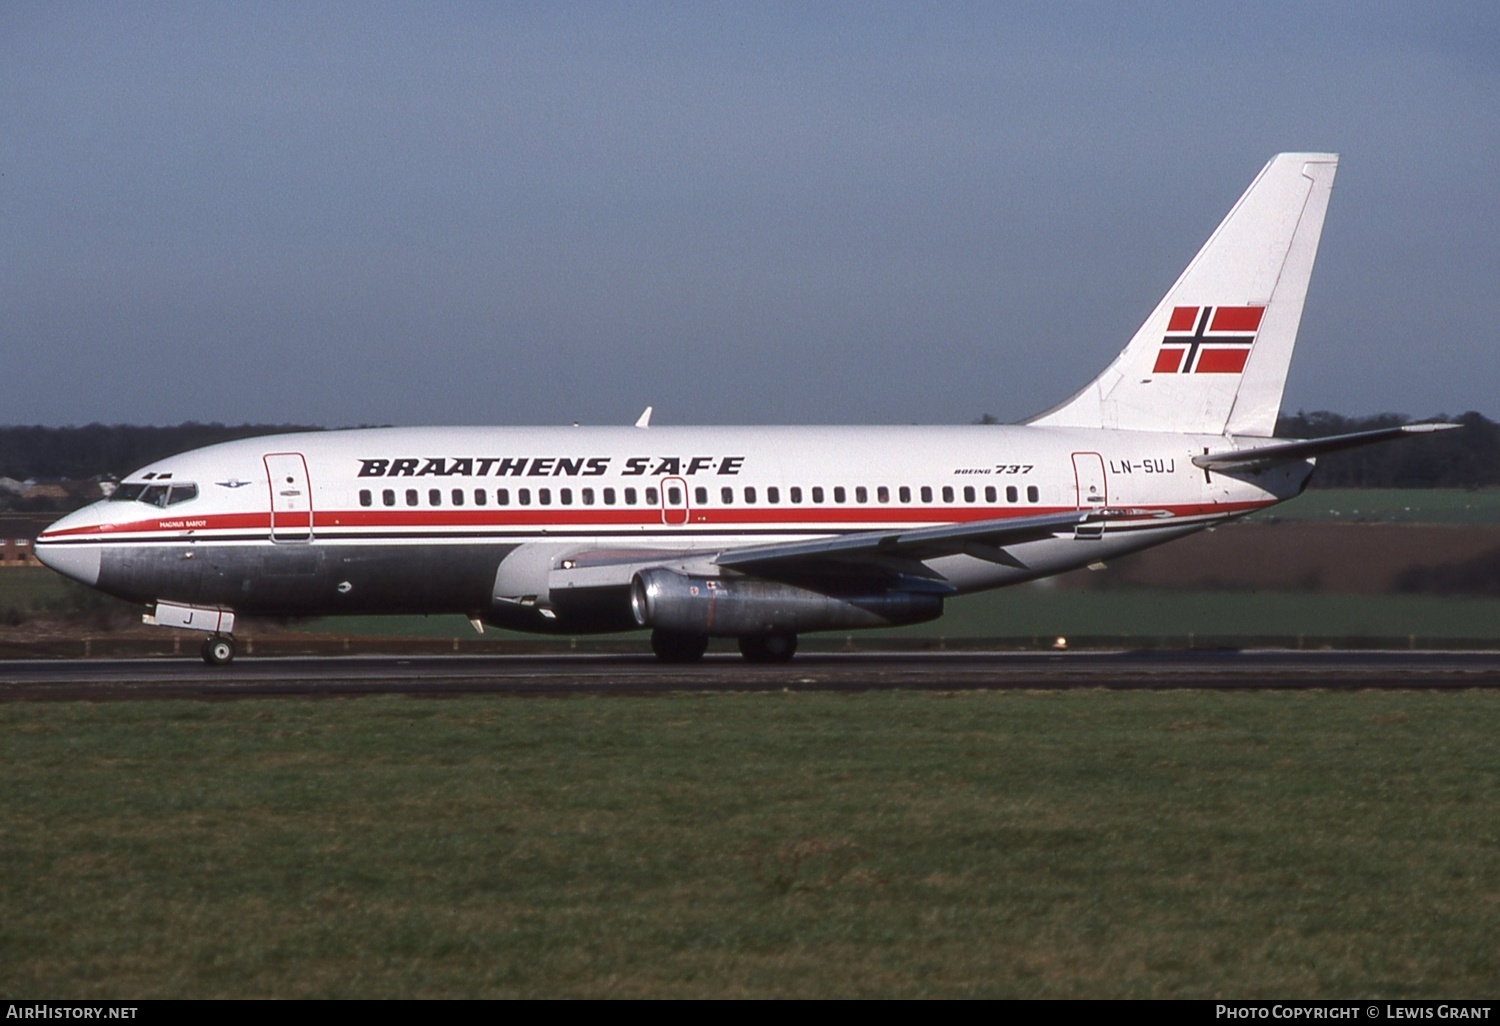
(481, 521)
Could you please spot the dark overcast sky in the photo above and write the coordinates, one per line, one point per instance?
(740, 213)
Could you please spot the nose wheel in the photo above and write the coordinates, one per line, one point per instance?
(218, 650)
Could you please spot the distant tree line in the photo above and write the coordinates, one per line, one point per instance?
(110, 450)
(1468, 458)
(1454, 459)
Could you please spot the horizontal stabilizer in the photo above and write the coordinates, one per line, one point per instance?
(1285, 452)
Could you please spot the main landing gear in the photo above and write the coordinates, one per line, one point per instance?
(218, 650)
(769, 648)
(678, 646)
(684, 647)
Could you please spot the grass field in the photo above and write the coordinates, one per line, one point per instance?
(35, 589)
(1079, 844)
(1042, 611)
(1037, 614)
(1394, 505)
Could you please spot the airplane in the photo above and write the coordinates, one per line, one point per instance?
(756, 533)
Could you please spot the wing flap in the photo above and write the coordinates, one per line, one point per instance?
(891, 556)
(920, 543)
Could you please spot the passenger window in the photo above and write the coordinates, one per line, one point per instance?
(989, 493)
(434, 497)
(882, 494)
(609, 496)
(947, 493)
(1010, 494)
(674, 495)
(411, 496)
(523, 496)
(700, 496)
(565, 496)
(544, 496)
(502, 497)
(750, 495)
(861, 494)
(773, 495)
(365, 498)
(458, 496)
(588, 496)
(817, 493)
(839, 495)
(479, 496)
(1032, 494)
(905, 494)
(796, 495)
(630, 496)
(969, 495)
(388, 496)
(726, 496)
(652, 498)
(926, 493)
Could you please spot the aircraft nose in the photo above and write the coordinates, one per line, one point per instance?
(79, 560)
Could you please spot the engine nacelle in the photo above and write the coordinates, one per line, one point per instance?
(742, 606)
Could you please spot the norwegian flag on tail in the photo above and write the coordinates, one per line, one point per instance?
(1208, 339)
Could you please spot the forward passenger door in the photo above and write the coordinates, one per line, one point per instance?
(291, 497)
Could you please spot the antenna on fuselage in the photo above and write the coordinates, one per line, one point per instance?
(644, 420)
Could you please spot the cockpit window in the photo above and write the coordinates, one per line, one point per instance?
(127, 493)
(155, 494)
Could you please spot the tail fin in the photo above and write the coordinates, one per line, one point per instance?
(1213, 356)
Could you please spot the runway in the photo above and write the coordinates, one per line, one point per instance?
(626, 675)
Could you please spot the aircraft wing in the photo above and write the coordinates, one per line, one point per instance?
(893, 555)
(983, 538)
(1282, 452)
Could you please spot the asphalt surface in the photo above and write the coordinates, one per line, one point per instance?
(532, 675)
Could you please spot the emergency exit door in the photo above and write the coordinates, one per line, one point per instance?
(674, 501)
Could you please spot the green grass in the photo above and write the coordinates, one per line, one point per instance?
(1077, 844)
(1029, 610)
(1041, 611)
(1393, 506)
(27, 591)
(36, 589)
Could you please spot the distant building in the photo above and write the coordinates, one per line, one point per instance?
(45, 490)
(18, 533)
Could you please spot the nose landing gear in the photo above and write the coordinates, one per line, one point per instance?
(218, 650)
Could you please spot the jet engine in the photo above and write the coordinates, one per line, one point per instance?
(745, 606)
